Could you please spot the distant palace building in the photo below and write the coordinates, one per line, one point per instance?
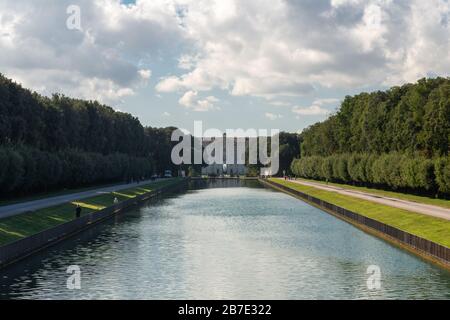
(225, 169)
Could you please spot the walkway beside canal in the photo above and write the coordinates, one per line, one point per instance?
(424, 235)
(18, 208)
(426, 209)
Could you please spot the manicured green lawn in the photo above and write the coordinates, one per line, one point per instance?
(404, 196)
(26, 224)
(7, 202)
(431, 228)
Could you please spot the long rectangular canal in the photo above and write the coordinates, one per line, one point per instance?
(225, 240)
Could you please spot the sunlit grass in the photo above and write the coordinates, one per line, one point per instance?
(431, 228)
(6, 202)
(27, 224)
(392, 194)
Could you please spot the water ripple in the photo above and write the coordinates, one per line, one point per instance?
(225, 243)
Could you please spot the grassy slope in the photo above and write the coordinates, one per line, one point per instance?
(26, 224)
(392, 194)
(7, 202)
(434, 229)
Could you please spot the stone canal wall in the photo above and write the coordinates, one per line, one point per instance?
(22, 248)
(423, 247)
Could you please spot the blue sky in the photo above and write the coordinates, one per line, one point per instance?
(233, 64)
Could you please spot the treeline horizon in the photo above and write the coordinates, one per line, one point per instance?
(51, 143)
(396, 139)
(59, 142)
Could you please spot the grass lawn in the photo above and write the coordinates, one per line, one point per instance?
(26, 224)
(431, 228)
(403, 196)
(7, 202)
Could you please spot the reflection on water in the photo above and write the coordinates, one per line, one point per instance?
(224, 240)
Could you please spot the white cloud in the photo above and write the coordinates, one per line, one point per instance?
(168, 84)
(187, 62)
(326, 101)
(339, 3)
(270, 87)
(283, 48)
(264, 48)
(166, 114)
(104, 90)
(198, 79)
(99, 62)
(191, 101)
(316, 108)
(272, 116)
(370, 32)
(313, 110)
(145, 74)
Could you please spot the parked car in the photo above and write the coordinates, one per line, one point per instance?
(168, 174)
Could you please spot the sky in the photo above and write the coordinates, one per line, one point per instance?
(264, 64)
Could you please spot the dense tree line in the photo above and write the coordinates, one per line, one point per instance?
(394, 171)
(26, 169)
(59, 142)
(398, 139)
(414, 118)
(59, 123)
(289, 150)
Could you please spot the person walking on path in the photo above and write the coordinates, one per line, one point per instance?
(78, 211)
(116, 201)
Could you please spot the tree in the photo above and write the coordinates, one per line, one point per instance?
(58, 142)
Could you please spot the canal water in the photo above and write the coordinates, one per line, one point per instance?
(225, 240)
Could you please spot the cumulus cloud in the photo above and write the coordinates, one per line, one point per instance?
(191, 101)
(317, 108)
(145, 74)
(187, 62)
(100, 61)
(313, 110)
(326, 101)
(290, 48)
(258, 48)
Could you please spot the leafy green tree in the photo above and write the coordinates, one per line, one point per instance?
(442, 171)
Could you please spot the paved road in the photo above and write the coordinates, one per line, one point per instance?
(426, 209)
(14, 209)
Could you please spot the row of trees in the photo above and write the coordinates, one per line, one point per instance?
(391, 170)
(396, 139)
(62, 123)
(59, 123)
(289, 149)
(414, 118)
(26, 169)
(59, 142)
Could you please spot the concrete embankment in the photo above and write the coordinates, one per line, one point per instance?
(422, 247)
(20, 249)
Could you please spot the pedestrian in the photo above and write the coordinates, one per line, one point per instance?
(78, 211)
(116, 201)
